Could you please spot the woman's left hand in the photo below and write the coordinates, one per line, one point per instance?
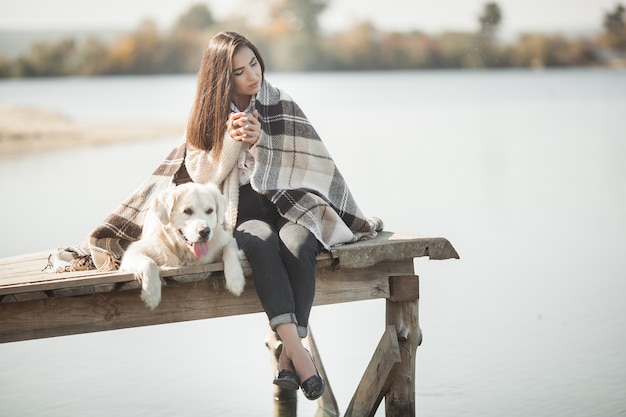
(244, 127)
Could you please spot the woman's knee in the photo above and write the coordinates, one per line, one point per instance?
(254, 235)
(299, 241)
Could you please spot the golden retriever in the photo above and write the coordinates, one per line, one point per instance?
(183, 226)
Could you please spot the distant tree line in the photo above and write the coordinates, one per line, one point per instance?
(288, 33)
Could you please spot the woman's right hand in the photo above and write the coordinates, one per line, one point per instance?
(244, 127)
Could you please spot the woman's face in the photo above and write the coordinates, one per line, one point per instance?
(247, 74)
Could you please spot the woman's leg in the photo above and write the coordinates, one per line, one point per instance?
(294, 355)
(299, 249)
(307, 375)
(262, 248)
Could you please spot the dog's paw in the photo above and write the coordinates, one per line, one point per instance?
(235, 280)
(151, 291)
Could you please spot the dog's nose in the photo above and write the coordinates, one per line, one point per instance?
(204, 233)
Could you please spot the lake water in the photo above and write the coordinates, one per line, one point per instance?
(524, 172)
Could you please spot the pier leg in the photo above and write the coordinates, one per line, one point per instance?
(376, 379)
(285, 401)
(402, 312)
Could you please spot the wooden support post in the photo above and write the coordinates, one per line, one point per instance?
(402, 312)
(285, 401)
(375, 381)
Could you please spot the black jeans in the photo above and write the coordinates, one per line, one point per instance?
(282, 257)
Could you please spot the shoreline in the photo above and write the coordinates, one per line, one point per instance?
(28, 129)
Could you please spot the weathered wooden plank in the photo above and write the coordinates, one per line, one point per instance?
(375, 381)
(48, 282)
(30, 281)
(389, 246)
(403, 314)
(13, 298)
(28, 264)
(180, 302)
(24, 258)
(347, 285)
(24, 273)
(89, 289)
(92, 301)
(404, 288)
(52, 281)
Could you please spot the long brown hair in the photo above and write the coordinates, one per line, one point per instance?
(209, 113)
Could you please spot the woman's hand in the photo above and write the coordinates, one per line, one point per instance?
(244, 127)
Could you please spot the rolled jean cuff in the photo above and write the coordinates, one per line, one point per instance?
(302, 332)
(283, 319)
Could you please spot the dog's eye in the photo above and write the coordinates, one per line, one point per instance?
(209, 211)
(188, 211)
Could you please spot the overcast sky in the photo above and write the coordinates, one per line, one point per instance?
(570, 16)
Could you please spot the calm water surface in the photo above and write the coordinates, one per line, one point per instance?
(524, 172)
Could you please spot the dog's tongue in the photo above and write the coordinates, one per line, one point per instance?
(200, 249)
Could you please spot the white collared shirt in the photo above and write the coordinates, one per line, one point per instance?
(246, 160)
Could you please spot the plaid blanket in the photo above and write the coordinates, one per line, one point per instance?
(293, 168)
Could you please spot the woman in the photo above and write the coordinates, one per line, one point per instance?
(281, 253)
(267, 187)
(285, 197)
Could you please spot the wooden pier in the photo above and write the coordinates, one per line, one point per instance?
(37, 304)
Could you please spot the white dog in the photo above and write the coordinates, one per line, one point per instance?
(183, 226)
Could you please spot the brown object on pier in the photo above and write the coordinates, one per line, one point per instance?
(36, 304)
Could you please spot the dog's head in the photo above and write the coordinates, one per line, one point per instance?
(194, 211)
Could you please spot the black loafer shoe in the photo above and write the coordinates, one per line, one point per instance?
(287, 379)
(313, 388)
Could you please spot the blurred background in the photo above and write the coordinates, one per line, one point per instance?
(65, 37)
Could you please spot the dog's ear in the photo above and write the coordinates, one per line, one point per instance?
(220, 202)
(162, 205)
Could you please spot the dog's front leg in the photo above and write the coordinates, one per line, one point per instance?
(233, 272)
(145, 269)
(150, 283)
(151, 289)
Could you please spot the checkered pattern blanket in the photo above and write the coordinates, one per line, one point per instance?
(293, 168)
